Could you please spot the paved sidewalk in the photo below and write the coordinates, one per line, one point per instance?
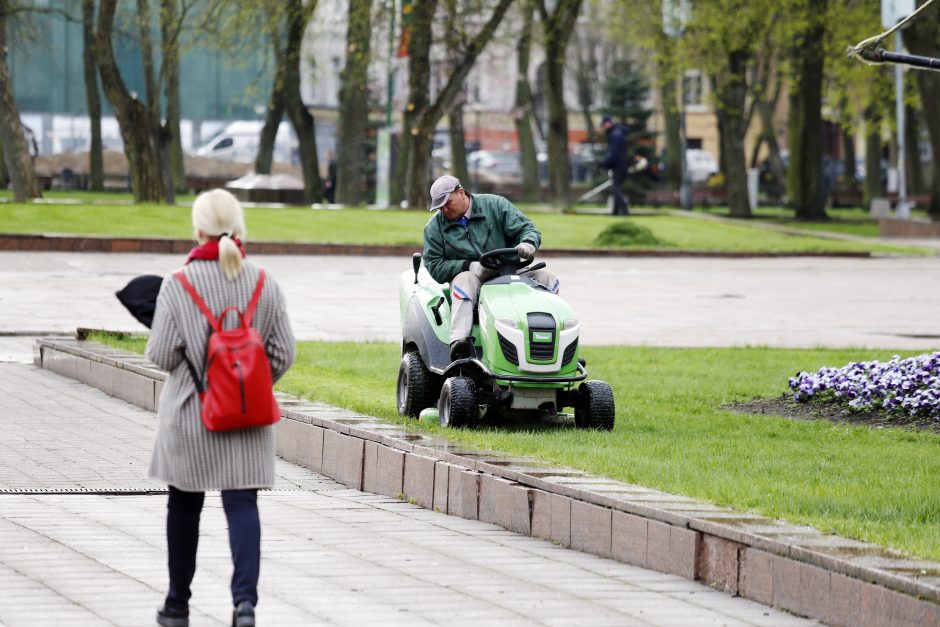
(81, 542)
(787, 302)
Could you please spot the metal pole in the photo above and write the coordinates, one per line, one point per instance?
(879, 55)
(903, 207)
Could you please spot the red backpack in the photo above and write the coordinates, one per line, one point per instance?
(239, 391)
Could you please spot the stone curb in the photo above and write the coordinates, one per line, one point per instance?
(836, 580)
(67, 243)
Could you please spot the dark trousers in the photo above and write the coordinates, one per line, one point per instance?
(182, 538)
(621, 208)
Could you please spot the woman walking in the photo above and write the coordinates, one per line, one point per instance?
(187, 456)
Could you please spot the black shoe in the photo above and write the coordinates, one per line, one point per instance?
(460, 349)
(243, 615)
(170, 617)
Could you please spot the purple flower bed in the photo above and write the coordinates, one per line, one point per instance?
(900, 386)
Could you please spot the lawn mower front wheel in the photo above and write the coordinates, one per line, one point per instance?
(595, 407)
(458, 404)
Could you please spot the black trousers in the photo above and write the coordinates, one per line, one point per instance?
(621, 207)
(182, 538)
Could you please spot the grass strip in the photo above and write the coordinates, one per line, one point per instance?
(393, 227)
(876, 485)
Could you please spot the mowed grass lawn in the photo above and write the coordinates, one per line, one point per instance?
(878, 485)
(361, 226)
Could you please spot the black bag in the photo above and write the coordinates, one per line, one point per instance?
(140, 297)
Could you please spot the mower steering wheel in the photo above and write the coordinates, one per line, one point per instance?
(492, 261)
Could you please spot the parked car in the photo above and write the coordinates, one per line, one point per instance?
(494, 165)
(239, 142)
(701, 164)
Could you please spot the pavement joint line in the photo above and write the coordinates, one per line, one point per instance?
(797, 555)
(71, 549)
(46, 586)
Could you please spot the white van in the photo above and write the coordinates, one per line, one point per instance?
(239, 142)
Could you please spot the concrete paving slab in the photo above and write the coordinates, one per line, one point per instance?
(786, 302)
(331, 555)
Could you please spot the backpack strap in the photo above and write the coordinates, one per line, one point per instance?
(197, 299)
(255, 297)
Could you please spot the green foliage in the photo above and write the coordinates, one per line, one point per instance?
(626, 92)
(626, 234)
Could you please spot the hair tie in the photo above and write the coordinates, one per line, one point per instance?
(224, 235)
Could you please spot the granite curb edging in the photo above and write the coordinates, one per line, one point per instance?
(68, 243)
(836, 580)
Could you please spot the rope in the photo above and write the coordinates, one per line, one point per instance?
(863, 49)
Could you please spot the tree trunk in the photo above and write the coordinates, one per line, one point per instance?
(456, 129)
(458, 143)
(929, 85)
(95, 164)
(731, 92)
(915, 169)
(419, 85)
(522, 110)
(300, 117)
(153, 100)
(275, 111)
(133, 118)
(354, 106)
(873, 187)
(848, 158)
(765, 108)
(720, 122)
(173, 143)
(672, 132)
(557, 27)
(16, 156)
(921, 39)
(421, 116)
(4, 178)
(804, 175)
(586, 79)
(668, 75)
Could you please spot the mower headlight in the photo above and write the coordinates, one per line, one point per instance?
(506, 322)
(569, 324)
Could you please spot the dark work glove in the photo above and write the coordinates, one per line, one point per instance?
(525, 250)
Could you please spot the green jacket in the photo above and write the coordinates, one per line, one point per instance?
(494, 223)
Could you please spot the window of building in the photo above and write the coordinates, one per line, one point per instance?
(692, 86)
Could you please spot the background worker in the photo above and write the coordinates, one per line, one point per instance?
(617, 162)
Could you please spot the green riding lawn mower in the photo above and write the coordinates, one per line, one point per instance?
(525, 358)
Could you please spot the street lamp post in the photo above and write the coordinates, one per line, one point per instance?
(675, 16)
(383, 147)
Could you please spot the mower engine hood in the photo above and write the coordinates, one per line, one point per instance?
(537, 323)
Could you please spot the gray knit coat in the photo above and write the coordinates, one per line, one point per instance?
(185, 454)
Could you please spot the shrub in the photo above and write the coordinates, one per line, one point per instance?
(624, 234)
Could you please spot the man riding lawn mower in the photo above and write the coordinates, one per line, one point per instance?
(483, 329)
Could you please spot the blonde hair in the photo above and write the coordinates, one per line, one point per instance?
(216, 213)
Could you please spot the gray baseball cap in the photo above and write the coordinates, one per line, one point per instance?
(441, 190)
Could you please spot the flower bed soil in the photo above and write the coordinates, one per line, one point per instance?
(788, 408)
